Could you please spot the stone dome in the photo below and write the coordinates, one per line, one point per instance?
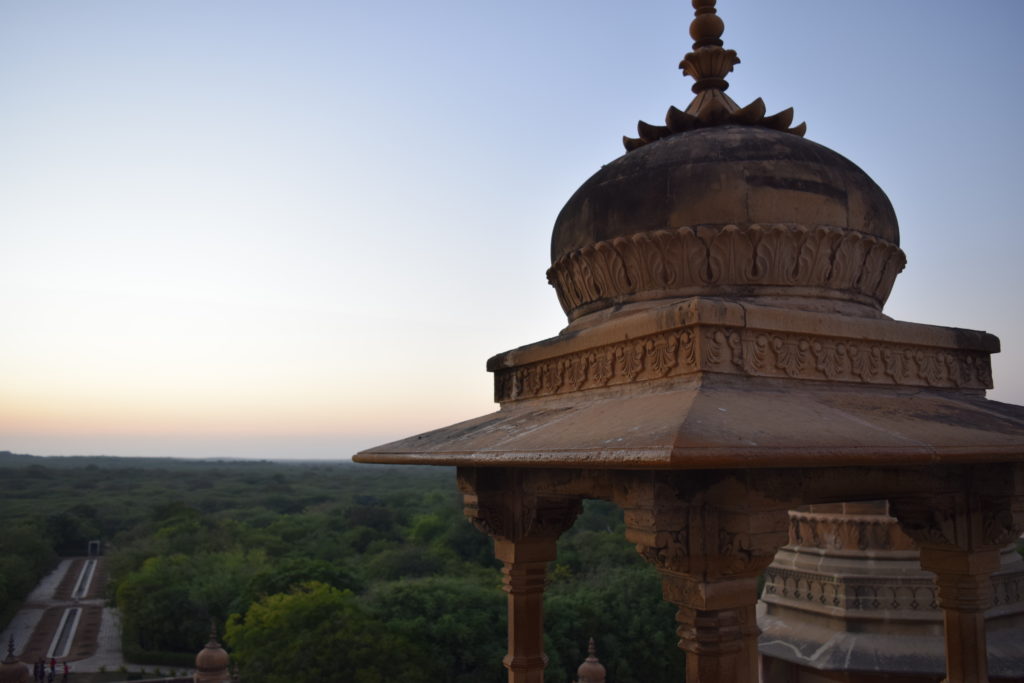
(591, 670)
(723, 200)
(734, 210)
(212, 662)
(739, 175)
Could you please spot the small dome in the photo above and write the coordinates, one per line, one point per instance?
(731, 210)
(591, 670)
(212, 659)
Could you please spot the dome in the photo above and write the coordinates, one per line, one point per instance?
(732, 174)
(591, 670)
(726, 210)
(724, 201)
(212, 661)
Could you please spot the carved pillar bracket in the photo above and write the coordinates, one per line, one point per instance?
(960, 536)
(525, 527)
(709, 556)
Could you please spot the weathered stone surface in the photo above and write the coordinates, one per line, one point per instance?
(735, 210)
(847, 596)
(725, 422)
(721, 336)
(737, 175)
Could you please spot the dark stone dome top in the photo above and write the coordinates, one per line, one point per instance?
(726, 210)
(724, 201)
(726, 175)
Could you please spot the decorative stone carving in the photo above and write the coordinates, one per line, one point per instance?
(685, 261)
(525, 527)
(861, 594)
(669, 551)
(845, 532)
(998, 527)
(706, 541)
(744, 351)
(709, 558)
(661, 538)
(950, 522)
(925, 521)
(514, 520)
(960, 537)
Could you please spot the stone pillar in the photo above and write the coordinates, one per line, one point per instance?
(525, 566)
(964, 580)
(525, 528)
(709, 557)
(960, 537)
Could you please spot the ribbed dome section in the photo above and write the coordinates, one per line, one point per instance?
(728, 210)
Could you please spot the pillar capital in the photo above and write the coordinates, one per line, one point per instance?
(520, 520)
(960, 535)
(709, 552)
(525, 526)
(708, 542)
(960, 522)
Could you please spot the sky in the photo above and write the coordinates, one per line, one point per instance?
(296, 229)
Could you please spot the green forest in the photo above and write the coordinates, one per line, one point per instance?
(317, 571)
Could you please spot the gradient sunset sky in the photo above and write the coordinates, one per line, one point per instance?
(299, 228)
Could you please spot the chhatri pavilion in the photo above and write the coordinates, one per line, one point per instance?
(727, 361)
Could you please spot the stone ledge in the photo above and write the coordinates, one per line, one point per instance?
(701, 335)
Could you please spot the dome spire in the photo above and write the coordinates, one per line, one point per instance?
(591, 670)
(212, 661)
(708, 64)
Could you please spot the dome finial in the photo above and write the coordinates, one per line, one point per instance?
(591, 670)
(212, 661)
(706, 27)
(708, 64)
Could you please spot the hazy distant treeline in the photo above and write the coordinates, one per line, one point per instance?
(325, 572)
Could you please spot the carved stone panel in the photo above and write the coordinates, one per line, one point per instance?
(745, 351)
(686, 261)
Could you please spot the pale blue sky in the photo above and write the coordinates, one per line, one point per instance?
(300, 228)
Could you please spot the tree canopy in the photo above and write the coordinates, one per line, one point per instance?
(325, 571)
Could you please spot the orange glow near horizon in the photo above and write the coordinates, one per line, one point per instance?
(213, 413)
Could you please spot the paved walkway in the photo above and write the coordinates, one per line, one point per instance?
(97, 641)
(41, 597)
(108, 646)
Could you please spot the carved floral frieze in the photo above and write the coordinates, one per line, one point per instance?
(862, 593)
(686, 259)
(750, 352)
(854, 593)
(846, 532)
